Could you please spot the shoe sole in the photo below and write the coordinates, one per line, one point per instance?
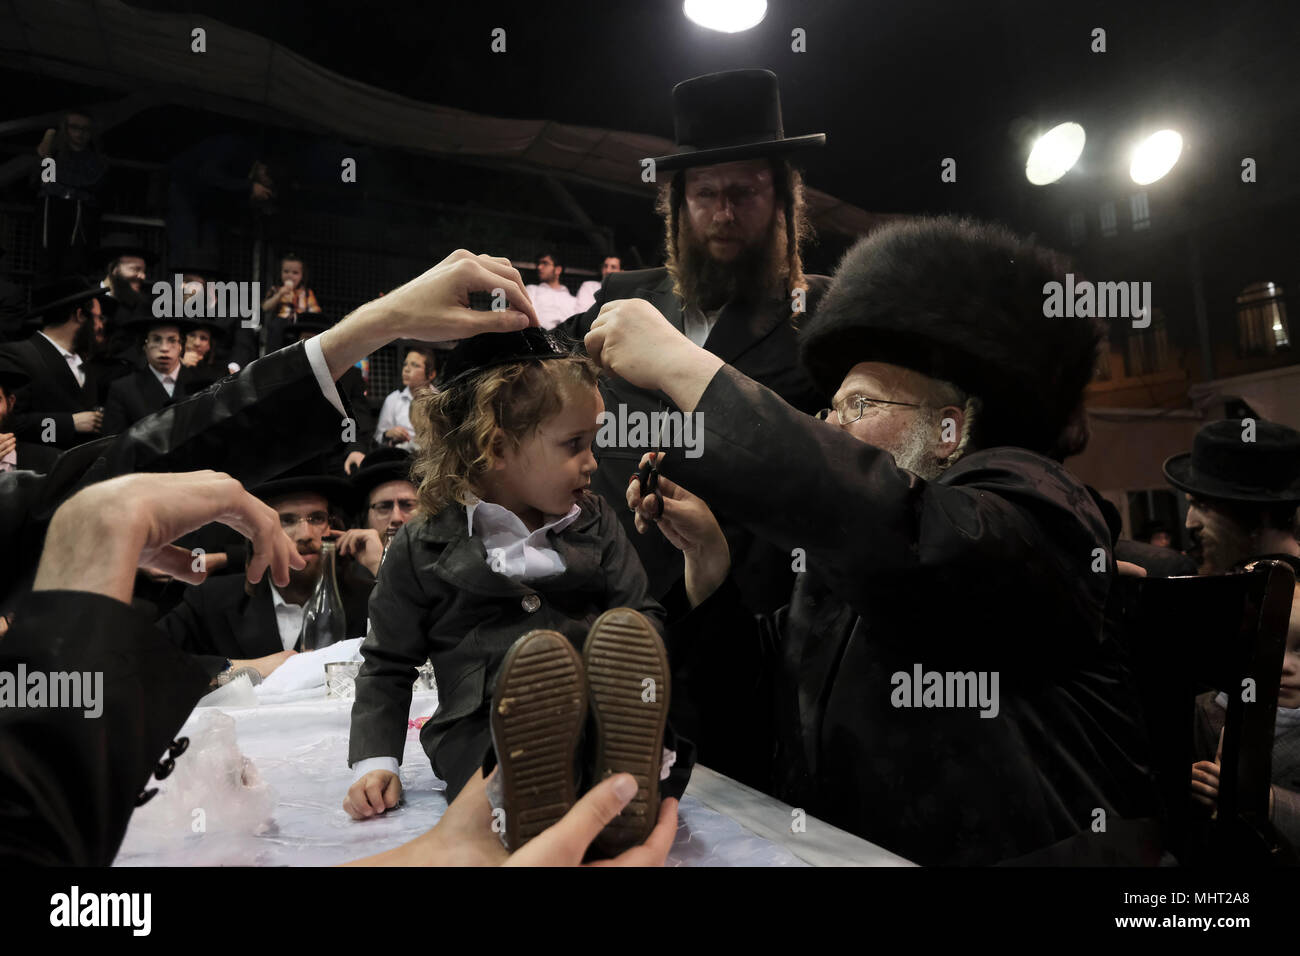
(622, 652)
(538, 711)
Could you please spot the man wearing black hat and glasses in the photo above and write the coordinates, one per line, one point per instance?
(1242, 481)
(733, 283)
(60, 403)
(162, 380)
(232, 624)
(944, 544)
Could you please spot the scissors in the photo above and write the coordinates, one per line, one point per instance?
(648, 476)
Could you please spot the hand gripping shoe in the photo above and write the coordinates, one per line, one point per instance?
(628, 680)
(538, 711)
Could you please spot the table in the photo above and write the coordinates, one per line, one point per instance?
(206, 814)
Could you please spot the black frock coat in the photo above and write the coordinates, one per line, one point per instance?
(989, 569)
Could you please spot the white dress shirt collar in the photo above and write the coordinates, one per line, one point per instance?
(174, 374)
(512, 550)
(288, 618)
(493, 518)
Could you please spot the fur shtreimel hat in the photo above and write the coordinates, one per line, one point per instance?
(959, 301)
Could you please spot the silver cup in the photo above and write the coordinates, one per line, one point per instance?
(341, 680)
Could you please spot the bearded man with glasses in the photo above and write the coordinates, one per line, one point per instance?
(942, 550)
(232, 625)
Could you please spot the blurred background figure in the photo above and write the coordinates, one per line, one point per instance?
(587, 291)
(419, 371)
(212, 186)
(1156, 533)
(67, 227)
(288, 300)
(551, 297)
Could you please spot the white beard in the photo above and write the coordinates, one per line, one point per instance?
(915, 450)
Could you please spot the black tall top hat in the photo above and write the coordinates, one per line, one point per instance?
(1222, 465)
(730, 116)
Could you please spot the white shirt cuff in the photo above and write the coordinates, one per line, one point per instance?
(316, 355)
(363, 767)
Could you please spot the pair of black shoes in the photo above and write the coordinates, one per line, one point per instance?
(539, 713)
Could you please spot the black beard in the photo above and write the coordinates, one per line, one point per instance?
(710, 284)
(83, 340)
(126, 296)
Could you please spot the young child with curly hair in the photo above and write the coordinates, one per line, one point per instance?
(504, 580)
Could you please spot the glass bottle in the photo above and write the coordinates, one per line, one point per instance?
(323, 620)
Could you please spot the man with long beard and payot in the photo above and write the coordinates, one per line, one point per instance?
(733, 283)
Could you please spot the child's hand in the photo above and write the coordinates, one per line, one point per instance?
(465, 835)
(374, 793)
(1205, 783)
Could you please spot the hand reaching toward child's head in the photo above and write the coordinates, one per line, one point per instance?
(436, 307)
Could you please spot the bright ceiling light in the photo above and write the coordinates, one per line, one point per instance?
(1155, 156)
(727, 16)
(1054, 153)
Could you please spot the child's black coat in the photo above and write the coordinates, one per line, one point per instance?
(436, 597)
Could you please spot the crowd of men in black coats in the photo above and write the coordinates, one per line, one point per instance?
(922, 522)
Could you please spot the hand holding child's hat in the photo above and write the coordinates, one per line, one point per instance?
(436, 307)
(632, 339)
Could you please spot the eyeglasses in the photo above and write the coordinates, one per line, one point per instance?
(317, 519)
(850, 410)
(385, 508)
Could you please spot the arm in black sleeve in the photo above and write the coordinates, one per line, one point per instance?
(723, 673)
(1000, 520)
(116, 417)
(400, 611)
(30, 426)
(242, 425)
(68, 781)
(184, 625)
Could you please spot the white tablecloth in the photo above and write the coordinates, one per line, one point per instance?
(206, 813)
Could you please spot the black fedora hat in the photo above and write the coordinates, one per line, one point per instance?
(381, 466)
(62, 293)
(730, 116)
(305, 480)
(118, 244)
(1223, 465)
